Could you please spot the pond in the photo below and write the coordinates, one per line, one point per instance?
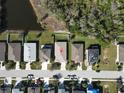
(20, 15)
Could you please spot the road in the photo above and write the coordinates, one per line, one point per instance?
(47, 73)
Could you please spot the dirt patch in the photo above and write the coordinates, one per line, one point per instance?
(105, 56)
(54, 24)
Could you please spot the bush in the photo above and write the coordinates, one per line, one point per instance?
(35, 65)
(10, 65)
(22, 65)
(54, 66)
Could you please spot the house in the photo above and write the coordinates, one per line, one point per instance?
(29, 52)
(77, 53)
(5, 90)
(14, 51)
(62, 91)
(60, 50)
(2, 51)
(120, 53)
(17, 90)
(90, 89)
(45, 53)
(78, 91)
(34, 90)
(93, 54)
(50, 91)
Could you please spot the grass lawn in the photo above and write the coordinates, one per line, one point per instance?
(108, 58)
(15, 37)
(110, 86)
(88, 40)
(61, 36)
(43, 37)
(3, 36)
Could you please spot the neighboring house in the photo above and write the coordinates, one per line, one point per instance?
(5, 90)
(2, 51)
(14, 51)
(93, 54)
(120, 53)
(77, 53)
(29, 52)
(62, 91)
(78, 91)
(17, 90)
(34, 90)
(45, 53)
(51, 91)
(90, 89)
(60, 51)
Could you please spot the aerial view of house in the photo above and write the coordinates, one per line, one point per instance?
(61, 46)
(29, 52)
(14, 51)
(60, 50)
(77, 53)
(93, 53)
(45, 53)
(120, 53)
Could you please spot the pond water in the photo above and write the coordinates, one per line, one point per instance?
(20, 15)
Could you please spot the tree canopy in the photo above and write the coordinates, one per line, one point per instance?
(100, 18)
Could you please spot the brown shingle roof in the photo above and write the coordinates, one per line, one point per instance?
(14, 51)
(2, 51)
(77, 52)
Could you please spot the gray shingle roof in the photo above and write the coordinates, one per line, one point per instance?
(34, 90)
(6, 90)
(45, 53)
(77, 52)
(93, 55)
(78, 91)
(121, 52)
(2, 51)
(14, 51)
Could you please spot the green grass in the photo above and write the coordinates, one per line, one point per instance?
(47, 37)
(112, 86)
(61, 36)
(88, 40)
(44, 37)
(15, 37)
(111, 54)
(3, 36)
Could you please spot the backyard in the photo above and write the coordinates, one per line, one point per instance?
(109, 87)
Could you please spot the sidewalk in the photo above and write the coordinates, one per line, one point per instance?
(17, 65)
(63, 66)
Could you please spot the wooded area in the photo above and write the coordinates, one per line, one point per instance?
(103, 19)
